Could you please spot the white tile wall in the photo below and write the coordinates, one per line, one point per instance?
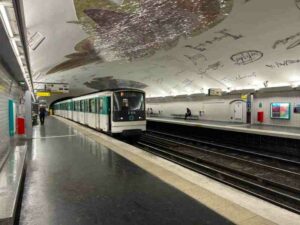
(214, 110)
(8, 90)
(266, 102)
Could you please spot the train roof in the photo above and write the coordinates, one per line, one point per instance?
(98, 93)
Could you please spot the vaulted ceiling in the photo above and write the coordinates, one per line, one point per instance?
(165, 47)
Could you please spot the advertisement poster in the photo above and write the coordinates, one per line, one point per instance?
(281, 111)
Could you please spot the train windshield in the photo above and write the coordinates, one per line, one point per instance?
(129, 101)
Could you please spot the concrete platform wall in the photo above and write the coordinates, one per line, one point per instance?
(216, 109)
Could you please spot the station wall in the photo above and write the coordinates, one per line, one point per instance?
(223, 108)
(263, 103)
(9, 90)
(209, 109)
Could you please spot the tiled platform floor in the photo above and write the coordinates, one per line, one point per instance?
(72, 179)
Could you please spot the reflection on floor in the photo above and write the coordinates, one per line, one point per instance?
(72, 179)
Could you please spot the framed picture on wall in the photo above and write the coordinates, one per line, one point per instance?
(281, 110)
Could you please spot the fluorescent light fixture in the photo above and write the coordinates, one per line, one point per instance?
(15, 47)
(295, 84)
(5, 20)
(6, 3)
(6, 23)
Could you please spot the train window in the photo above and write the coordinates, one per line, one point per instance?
(129, 100)
(125, 103)
(87, 106)
(90, 105)
(101, 105)
(96, 105)
(81, 106)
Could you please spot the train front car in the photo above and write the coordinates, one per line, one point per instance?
(128, 116)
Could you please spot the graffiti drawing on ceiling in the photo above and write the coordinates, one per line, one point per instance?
(85, 54)
(135, 28)
(298, 3)
(106, 83)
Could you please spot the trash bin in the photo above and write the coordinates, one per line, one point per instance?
(260, 117)
(34, 119)
(21, 125)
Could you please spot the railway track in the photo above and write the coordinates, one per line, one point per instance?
(274, 179)
(268, 158)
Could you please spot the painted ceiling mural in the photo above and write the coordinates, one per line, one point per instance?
(166, 47)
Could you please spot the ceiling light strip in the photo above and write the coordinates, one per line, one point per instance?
(6, 22)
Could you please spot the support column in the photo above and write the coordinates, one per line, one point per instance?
(28, 114)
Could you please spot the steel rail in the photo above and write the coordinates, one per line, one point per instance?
(214, 172)
(228, 156)
(285, 160)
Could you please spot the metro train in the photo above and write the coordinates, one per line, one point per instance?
(113, 112)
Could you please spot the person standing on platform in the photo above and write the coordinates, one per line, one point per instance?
(42, 115)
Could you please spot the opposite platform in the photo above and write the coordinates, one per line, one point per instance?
(265, 130)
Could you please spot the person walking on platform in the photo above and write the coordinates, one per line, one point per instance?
(188, 113)
(42, 115)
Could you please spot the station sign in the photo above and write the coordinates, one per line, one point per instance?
(57, 88)
(244, 97)
(43, 94)
(35, 40)
(215, 92)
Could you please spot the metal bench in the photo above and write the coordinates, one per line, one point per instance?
(11, 175)
(153, 115)
(182, 116)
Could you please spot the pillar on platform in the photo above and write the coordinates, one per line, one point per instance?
(28, 114)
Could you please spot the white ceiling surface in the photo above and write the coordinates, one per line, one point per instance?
(169, 72)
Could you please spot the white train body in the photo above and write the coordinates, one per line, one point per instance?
(114, 112)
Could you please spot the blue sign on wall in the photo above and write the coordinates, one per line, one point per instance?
(11, 118)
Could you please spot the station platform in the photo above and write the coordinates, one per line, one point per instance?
(76, 175)
(266, 130)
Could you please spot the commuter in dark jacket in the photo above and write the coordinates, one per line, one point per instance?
(42, 115)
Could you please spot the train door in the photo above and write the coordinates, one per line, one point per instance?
(98, 113)
(75, 113)
(105, 113)
(109, 105)
(92, 114)
(81, 111)
(70, 111)
(86, 111)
